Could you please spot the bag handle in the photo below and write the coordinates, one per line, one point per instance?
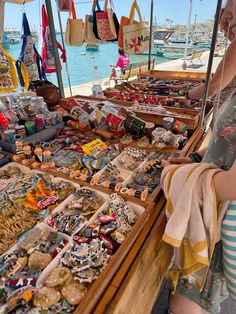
(73, 12)
(106, 5)
(134, 7)
(93, 6)
(25, 25)
(97, 5)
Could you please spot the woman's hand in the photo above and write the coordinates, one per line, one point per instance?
(185, 160)
(176, 161)
(180, 160)
(197, 92)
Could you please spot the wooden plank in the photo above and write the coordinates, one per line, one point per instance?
(150, 117)
(140, 288)
(129, 261)
(99, 287)
(192, 140)
(176, 75)
(206, 139)
(196, 141)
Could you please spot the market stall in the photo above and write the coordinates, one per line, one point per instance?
(81, 203)
(102, 169)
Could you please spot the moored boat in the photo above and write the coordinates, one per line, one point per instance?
(92, 47)
(5, 42)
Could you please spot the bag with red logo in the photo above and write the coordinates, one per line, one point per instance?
(136, 36)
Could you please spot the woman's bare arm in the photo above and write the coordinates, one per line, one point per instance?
(224, 74)
(225, 184)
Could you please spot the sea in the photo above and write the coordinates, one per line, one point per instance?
(81, 62)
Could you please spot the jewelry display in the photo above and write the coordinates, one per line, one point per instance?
(147, 176)
(22, 267)
(163, 139)
(76, 214)
(58, 235)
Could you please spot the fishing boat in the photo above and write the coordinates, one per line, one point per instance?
(5, 42)
(204, 45)
(173, 55)
(14, 40)
(92, 47)
(182, 41)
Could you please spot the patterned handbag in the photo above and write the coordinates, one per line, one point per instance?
(101, 25)
(8, 76)
(89, 35)
(29, 64)
(228, 235)
(113, 21)
(47, 52)
(64, 5)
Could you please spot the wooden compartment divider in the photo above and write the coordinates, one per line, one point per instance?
(175, 75)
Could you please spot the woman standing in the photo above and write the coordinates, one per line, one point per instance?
(222, 152)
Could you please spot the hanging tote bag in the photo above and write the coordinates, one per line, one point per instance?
(89, 36)
(48, 60)
(124, 21)
(101, 25)
(113, 21)
(74, 35)
(136, 36)
(8, 75)
(228, 235)
(64, 5)
(29, 64)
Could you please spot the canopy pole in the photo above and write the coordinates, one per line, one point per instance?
(54, 45)
(150, 42)
(187, 34)
(63, 45)
(210, 61)
(2, 7)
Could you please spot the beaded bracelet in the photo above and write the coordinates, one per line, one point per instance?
(195, 157)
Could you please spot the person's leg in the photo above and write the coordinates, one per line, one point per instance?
(181, 305)
(113, 74)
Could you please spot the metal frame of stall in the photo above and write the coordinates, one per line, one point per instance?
(57, 59)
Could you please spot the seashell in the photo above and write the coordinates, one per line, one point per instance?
(46, 296)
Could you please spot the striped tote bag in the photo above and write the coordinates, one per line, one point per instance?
(228, 235)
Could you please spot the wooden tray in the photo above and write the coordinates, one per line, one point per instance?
(99, 287)
(176, 75)
(108, 93)
(145, 83)
(192, 122)
(132, 286)
(141, 246)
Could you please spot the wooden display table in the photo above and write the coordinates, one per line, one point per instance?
(176, 75)
(192, 120)
(140, 287)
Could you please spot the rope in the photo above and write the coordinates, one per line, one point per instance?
(222, 72)
(217, 103)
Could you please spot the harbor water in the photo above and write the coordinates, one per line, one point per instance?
(81, 62)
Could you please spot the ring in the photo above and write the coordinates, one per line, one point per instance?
(124, 191)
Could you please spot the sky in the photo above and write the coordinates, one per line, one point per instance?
(177, 10)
